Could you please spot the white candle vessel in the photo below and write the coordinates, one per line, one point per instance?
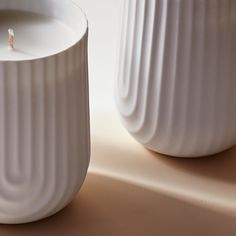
(44, 107)
(177, 80)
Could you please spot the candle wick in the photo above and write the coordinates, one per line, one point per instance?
(11, 36)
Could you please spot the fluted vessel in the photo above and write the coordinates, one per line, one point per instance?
(176, 86)
(44, 124)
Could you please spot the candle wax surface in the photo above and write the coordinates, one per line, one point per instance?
(36, 36)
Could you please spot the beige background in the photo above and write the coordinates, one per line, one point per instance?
(104, 27)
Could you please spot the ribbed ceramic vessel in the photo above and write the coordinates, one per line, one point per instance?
(176, 87)
(44, 129)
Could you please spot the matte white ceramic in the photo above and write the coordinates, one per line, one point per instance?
(44, 121)
(176, 87)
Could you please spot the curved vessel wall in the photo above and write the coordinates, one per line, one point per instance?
(176, 87)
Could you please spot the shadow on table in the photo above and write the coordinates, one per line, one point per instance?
(108, 207)
(221, 166)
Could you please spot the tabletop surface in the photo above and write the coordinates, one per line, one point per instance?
(132, 191)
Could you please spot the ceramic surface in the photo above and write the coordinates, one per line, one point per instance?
(176, 82)
(44, 125)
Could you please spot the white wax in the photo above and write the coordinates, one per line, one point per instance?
(35, 35)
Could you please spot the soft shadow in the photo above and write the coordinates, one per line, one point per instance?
(108, 207)
(221, 166)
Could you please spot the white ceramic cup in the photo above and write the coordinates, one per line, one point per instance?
(176, 87)
(44, 121)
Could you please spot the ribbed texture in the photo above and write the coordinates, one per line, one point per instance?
(44, 133)
(176, 87)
